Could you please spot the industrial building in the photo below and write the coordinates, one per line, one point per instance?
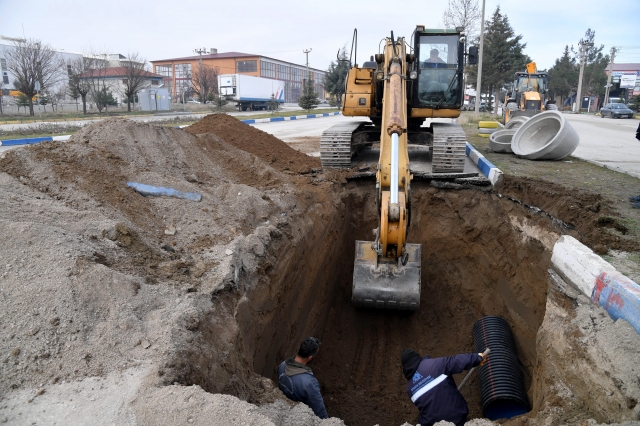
(177, 72)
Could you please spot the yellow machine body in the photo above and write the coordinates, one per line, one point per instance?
(528, 94)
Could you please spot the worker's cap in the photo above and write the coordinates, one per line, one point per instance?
(308, 347)
(410, 361)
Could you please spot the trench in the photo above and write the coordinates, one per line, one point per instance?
(475, 262)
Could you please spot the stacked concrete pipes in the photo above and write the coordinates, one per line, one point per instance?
(545, 136)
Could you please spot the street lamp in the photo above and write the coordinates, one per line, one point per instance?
(306, 52)
(479, 80)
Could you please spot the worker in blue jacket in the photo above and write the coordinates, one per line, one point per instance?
(433, 390)
(297, 381)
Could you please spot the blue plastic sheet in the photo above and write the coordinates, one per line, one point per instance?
(159, 191)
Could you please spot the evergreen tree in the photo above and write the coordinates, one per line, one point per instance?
(309, 99)
(43, 99)
(105, 98)
(218, 102)
(563, 77)
(503, 55)
(335, 77)
(273, 104)
(22, 101)
(74, 94)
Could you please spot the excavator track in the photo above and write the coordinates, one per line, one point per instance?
(336, 147)
(449, 148)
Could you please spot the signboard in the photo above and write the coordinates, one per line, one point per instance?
(627, 81)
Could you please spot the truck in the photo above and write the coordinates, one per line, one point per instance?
(251, 93)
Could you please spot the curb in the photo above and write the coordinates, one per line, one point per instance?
(490, 171)
(598, 280)
(293, 117)
(28, 141)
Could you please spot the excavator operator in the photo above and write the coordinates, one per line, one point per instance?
(434, 61)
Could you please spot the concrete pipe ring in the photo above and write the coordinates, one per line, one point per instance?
(500, 141)
(515, 122)
(546, 136)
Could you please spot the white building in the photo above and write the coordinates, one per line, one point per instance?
(7, 44)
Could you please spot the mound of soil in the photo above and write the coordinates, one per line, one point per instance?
(263, 145)
(587, 215)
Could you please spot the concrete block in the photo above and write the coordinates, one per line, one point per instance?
(619, 296)
(597, 279)
(577, 264)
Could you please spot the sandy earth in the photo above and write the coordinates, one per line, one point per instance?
(123, 309)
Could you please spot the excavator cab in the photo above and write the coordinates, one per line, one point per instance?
(439, 70)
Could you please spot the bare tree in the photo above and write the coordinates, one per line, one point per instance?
(31, 61)
(96, 69)
(205, 81)
(184, 81)
(58, 95)
(134, 70)
(79, 86)
(463, 13)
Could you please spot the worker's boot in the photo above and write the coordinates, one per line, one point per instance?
(635, 199)
(636, 205)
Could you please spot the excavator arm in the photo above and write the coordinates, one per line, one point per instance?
(387, 270)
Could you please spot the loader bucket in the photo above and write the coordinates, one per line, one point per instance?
(386, 284)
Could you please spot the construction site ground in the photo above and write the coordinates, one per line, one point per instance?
(117, 308)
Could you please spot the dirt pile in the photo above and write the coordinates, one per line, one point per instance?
(587, 215)
(255, 141)
(158, 305)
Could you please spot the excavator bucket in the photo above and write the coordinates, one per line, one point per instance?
(386, 285)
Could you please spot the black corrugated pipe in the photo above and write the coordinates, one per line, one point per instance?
(501, 388)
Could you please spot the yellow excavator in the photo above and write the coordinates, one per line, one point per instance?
(397, 90)
(528, 94)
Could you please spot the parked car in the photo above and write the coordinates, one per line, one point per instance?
(192, 101)
(616, 111)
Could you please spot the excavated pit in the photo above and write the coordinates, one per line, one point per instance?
(217, 293)
(475, 262)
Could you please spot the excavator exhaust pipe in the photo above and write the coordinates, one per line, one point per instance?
(389, 283)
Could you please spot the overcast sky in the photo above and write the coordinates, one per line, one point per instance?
(163, 29)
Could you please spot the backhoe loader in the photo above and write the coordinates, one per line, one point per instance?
(528, 94)
(397, 90)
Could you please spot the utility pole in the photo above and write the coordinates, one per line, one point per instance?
(578, 103)
(479, 81)
(200, 52)
(614, 50)
(306, 52)
(304, 87)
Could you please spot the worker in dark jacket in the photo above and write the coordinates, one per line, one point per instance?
(433, 390)
(297, 381)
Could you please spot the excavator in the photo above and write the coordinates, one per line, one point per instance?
(398, 89)
(528, 94)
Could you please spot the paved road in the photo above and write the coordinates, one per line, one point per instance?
(608, 142)
(148, 118)
(288, 130)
